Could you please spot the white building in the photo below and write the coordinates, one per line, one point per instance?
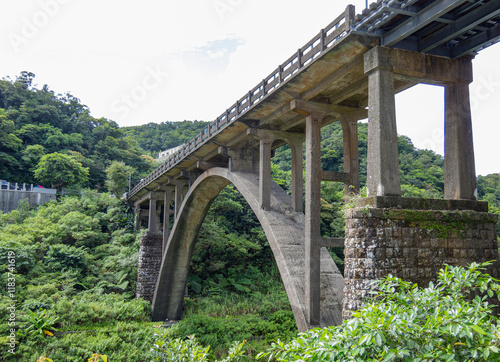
(165, 155)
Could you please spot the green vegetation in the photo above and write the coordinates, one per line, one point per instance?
(37, 122)
(156, 137)
(76, 259)
(60, 170)
(447, 321)
(488, 189)
(75, 276)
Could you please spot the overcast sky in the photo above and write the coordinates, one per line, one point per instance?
(137, 62)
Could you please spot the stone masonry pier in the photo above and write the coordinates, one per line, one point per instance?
(412, 239)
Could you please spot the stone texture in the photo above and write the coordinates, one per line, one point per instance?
(412, 244)
(150, 255)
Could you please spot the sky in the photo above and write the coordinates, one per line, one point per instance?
(136, 62)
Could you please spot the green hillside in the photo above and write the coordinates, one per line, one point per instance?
(76, 259)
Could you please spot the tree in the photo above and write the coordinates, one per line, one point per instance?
(60, 170)
(117, 177)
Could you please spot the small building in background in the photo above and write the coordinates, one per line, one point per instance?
(12, 193)
(165, 155)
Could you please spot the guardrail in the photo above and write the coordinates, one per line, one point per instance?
(324, 40)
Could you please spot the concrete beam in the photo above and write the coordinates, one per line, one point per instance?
(335, 176)
(203, 165)
(418, 67)
(288, 137)
(147, 197)
(333, 242)
(306, 108)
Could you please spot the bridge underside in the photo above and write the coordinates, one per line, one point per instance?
(284, 229)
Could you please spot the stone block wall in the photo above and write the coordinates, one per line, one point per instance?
(150, 255)
(412, 239)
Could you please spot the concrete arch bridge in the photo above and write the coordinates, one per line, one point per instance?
(349, 71)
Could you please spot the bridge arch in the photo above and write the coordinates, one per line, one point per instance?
(284, 229)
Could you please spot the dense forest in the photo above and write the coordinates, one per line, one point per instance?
(37, 122)
(76, 258)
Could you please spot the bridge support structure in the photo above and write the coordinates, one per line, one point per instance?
(315, 115)
(413, 238)
(385, 233)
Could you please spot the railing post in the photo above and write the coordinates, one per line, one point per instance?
(350, 14)
(322, 37)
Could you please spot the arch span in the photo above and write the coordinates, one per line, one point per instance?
(284, 230)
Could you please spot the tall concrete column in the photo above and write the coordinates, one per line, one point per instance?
(383, 160)
(137, 215)
(153, 219)
(166, 215)
(459, 165)
(265, 174)
(351, 155)
(178, 198)
(313, 218)
(297, 177)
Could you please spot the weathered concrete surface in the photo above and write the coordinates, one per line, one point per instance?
(150, 252)
(459, 164)
(383, 162)
(313, 217)
(412, 239)
(284, 230)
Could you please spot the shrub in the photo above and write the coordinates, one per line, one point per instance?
(447, 321)
(167, 349)
(62, 257)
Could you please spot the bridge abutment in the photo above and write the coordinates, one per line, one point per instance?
(412, 239)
